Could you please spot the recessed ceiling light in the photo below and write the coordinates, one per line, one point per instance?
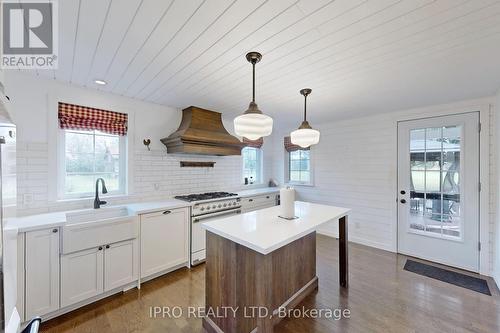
(100, 82)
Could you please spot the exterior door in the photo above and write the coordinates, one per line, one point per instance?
(438, 189)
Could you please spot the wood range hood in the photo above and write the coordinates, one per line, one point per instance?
(202, 132)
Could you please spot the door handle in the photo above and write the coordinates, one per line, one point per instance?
(403, 201)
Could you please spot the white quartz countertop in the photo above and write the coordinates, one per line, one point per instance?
(263, 231)
(58, 219)
(150, 207)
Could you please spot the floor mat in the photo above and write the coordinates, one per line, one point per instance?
(458, 279)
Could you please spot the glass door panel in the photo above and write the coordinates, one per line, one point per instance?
(435, 181)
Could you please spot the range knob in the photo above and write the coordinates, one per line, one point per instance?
(225, 205)
(202, 208)
(214, 206)
(234, 203)
(219, 205)
(208, 207)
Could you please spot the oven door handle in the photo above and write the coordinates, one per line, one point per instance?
(208, 216)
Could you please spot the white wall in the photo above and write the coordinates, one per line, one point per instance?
(355, 166)
(152, 174)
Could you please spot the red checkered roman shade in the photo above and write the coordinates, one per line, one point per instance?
(289, 146)
(79, 117)
(254, 143)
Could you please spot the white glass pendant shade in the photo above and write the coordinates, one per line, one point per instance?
(253, 125)
(304, 137)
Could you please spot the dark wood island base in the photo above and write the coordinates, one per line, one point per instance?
(245, 289)
(259, 268)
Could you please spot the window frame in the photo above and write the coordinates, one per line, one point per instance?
(61, 178)
(259, 160)
(287, 171)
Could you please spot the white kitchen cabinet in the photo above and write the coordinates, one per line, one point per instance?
(42, 272)
(249, 204)
(164, 240)
(81, 275)
(121, 264)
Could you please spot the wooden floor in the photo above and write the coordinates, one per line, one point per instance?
(382, 298)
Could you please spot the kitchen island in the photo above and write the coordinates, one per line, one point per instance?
(258, 263)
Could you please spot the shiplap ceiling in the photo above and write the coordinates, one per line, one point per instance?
(358, 56)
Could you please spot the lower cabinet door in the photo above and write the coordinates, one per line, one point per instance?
(121, 264)
(81, 275)
(42, 272)
(164, 237)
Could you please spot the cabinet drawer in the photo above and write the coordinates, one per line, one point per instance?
(257, 201)
(80, 236)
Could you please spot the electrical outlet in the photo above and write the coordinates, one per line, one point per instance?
(27, 199)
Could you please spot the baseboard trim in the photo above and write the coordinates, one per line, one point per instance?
(83, 303)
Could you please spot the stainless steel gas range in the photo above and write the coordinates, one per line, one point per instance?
(206, 207)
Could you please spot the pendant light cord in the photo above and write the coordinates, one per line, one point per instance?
(305, 107)
(253, 81)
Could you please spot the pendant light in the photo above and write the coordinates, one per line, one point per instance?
(305, 136)
(253, 124)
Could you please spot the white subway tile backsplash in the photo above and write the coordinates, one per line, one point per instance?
(156, 176)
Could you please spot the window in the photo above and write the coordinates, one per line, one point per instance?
(88, 155)
(299, 167)
(252, 162)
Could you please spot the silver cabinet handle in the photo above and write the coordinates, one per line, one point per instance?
(238, 211)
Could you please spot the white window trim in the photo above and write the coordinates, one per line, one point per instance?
(260, 168)
(61, 175)
(55, 144)
(287, 170)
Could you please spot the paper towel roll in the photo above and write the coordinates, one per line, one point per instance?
(287, 203)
